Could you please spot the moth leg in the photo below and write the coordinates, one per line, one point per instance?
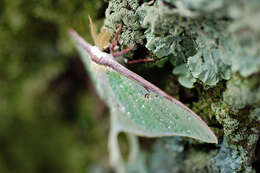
(114, 43)
(139, 60)
(124, 51)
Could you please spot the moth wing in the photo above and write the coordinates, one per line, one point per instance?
(99, 79)
(146, 113)
(140, 110)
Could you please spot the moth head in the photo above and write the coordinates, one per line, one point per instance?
(101, 39)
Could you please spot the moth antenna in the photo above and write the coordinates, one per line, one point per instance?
(93, 31)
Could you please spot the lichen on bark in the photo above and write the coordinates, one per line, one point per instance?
(212, 47)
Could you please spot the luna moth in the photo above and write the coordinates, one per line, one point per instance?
(137, 106)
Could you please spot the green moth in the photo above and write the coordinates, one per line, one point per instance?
(137, 106)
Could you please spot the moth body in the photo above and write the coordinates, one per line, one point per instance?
(100, 54)
(99, 57)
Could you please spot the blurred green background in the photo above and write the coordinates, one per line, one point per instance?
(51, 119)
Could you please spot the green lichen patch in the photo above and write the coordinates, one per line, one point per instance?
(124, 12)
(241, 93)
(198, 161)
(230, 159)
(192, 45)
(167, 155)
(240, 132)
(213, 46)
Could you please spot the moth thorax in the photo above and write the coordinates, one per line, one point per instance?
(99, 57)
(100, 54)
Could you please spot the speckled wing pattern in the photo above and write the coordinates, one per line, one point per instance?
(138, 106)
(153, 115)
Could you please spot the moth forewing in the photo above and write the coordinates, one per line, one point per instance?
(115, 81)
(155, 116)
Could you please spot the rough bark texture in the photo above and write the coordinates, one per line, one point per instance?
(212, 49)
